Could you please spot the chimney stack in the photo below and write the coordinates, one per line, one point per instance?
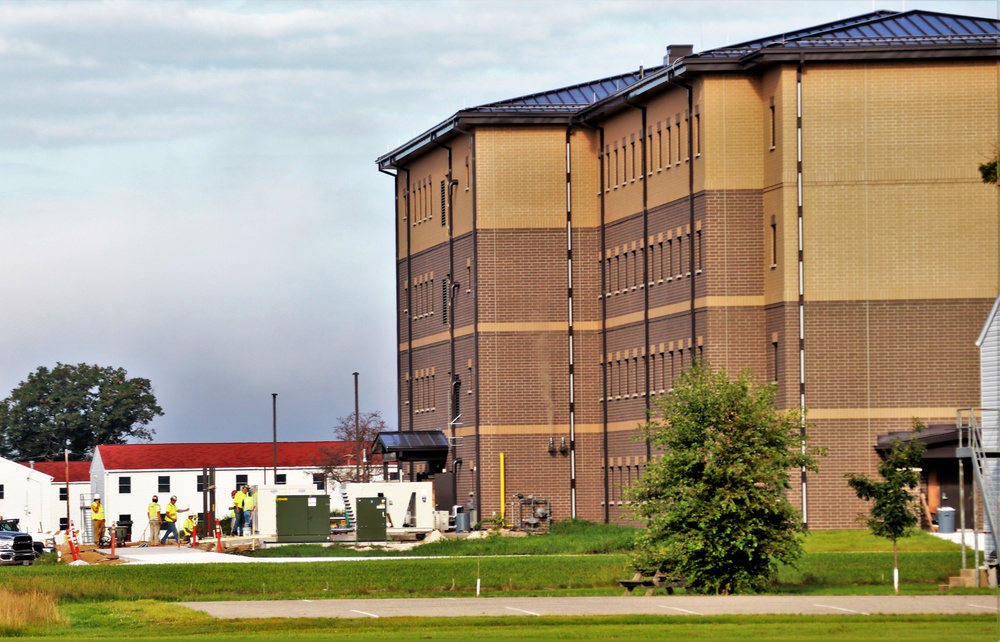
(676, 52)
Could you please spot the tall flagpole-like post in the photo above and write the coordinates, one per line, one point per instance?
(274, 425)
(357, 433)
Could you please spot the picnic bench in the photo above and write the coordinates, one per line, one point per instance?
(658, 580)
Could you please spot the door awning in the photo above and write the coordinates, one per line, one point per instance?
(416, 445)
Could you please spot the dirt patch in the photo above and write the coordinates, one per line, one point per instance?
(90, 554)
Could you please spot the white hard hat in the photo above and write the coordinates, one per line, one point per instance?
(96, 496)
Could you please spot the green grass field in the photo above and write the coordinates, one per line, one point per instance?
(123, 601)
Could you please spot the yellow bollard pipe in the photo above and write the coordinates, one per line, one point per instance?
(503, 491)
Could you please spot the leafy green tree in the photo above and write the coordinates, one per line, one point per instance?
(75, 407)
(988, 170)
(715, 503)
(895, 508)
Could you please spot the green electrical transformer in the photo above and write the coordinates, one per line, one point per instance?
(371, 519)
(303, 518)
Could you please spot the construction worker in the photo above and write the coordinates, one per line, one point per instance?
(248, 505)
(154, 520)
(189, 525)
(170, 521)
(97, 517)
(238, 497)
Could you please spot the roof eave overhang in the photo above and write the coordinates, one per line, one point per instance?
(693, 66)
(448, 129)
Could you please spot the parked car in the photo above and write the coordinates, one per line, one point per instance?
(16, 548)
(41, 543)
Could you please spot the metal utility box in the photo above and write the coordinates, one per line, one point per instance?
(371, 519)
(302, 518)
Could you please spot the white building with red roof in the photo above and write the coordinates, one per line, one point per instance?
(127, 476)
(63, 499)
(25, 495)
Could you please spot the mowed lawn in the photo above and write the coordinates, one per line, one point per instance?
(127, 602)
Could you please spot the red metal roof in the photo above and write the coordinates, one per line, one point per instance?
(298, 454)
(79, 471)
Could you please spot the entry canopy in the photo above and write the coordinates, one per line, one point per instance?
(416, 445)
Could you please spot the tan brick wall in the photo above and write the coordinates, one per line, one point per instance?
(521, 177)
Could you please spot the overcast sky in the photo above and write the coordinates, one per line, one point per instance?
(188, 189)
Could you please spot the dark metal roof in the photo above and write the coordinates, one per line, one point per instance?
(567, 99)
(877, 29)
(416, 445)
(880, 34)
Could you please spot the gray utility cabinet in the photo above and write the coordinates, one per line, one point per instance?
(303, 518)
(370, 519)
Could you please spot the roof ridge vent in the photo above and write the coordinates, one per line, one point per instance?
(676, 52)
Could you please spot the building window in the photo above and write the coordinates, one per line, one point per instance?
(163, 483)
(774, 351)
(697, 132)
(670, 149)
(280, 479)
(773, 125)
(63, 494)
(124, 485)
(700, 251)
(774, 242)
(1, 491)
(241, 481)
(63, 524)
(444, 204)
(200, 484)
(319, 479)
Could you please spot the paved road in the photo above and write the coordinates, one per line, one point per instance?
(631, 605)
(536, 606)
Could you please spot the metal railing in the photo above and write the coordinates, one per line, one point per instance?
(980, 444)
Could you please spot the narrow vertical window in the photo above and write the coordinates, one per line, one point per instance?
(468, 174)
(649, 153)
(774, 351)
(697, 132)
(670, 148)
(444, 301)
(625, 281)
(773, 125)
(652, 261)
(679, 155)
(701, 251)
(670, 259)
(617, 182)
(444, 203)
(637, 273)
(632, 172)
(774, 242)
(680, 256)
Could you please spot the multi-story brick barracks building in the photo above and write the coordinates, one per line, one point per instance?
(807, 206)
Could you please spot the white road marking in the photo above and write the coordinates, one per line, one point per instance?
(522, 611)
(837, 608)
(981, 606)
(364, 613)
(674, 608)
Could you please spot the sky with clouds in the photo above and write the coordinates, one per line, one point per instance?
(188, 189)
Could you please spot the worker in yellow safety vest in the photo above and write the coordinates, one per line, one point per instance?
(153, 511)
(238, 498)
(97, 517)
(189, 525)
(249, 500)
(170, 521)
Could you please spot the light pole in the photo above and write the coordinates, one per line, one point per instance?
(357, 433)
(274, 427)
